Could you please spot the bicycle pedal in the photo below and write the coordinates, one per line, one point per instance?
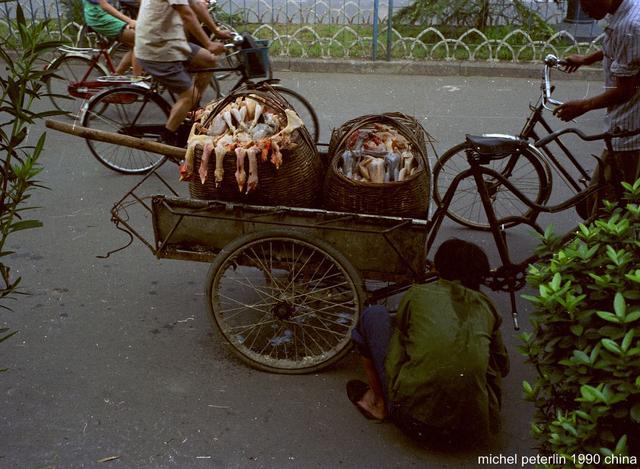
(142, 84)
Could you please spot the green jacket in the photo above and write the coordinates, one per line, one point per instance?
(445, 359)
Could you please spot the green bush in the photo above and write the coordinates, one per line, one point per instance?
(585, 341)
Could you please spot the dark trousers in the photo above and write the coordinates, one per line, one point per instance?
(371, 336)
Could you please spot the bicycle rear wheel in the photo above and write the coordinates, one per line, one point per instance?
(132, 111)
(525, 171)
(68, 69)
(303, 108)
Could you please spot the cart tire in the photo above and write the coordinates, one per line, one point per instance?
(285, 302)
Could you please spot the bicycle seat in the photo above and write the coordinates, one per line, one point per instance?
(495, 146)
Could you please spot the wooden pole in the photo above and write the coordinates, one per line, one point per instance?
(173, 153)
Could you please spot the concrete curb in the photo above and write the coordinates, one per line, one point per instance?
(429, 68)
(434, 68)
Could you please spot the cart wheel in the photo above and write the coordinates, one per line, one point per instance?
(285, 302)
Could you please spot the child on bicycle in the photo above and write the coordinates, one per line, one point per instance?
(163, 51)
(111, 23)
(435, 368)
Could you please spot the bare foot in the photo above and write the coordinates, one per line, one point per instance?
(373, 404)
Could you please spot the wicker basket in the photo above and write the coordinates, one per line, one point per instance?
(408, 198)
(298, 181)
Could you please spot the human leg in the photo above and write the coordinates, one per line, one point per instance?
(615, 168)
(372, 337)
(175, 77)
(201, 58)
(127, 36)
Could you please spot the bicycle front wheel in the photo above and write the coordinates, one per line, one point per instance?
(132, 111)
(69, 69)
(285, 302)
(303, 108)
(524, 170)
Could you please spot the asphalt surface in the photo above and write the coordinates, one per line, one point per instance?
(116, 358)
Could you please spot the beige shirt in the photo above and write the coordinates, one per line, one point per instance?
(160, 32)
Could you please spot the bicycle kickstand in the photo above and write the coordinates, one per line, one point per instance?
(514, 310)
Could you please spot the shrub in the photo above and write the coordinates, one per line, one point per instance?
(585, 342)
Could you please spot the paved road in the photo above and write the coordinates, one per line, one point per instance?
(116, 357)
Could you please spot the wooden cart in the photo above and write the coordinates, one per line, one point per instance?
(286, 285)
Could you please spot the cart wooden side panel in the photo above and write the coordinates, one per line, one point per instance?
(382, 248)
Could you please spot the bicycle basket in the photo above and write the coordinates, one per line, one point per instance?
(255, 57)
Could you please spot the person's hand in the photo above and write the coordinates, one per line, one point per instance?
(574, 62)
(216, 48)
(132, 24)
(224, 34)
(570, 110)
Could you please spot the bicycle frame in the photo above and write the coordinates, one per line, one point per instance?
(528, 132)
(84, 89)
(510, 276)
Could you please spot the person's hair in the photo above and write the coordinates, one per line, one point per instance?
(460, 260)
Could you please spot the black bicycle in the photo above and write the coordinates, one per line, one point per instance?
(526, 166)
(483, 155)
(141, 109)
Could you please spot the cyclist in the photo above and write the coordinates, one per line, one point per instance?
(208, 22)
(163, 51)
(621, 59)
(111, 23)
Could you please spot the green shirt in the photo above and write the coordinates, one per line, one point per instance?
(445, 359)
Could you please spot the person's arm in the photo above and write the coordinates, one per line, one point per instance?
(499, 356)
(624, 89)
(202, 12)
(106, 6)
(191, 22)
(574, 62)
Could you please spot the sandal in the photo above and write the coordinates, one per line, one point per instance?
(355, 390)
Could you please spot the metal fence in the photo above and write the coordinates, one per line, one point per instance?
(485, 30)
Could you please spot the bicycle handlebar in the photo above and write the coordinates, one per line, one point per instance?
(550, 61)
(588, 138)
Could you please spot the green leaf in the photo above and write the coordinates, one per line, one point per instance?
(634, 413)
(610, 317)
(581, 357)
(588, 393)
(569, 428)
(576, 329)
(25, 225)
(606, 452)
(584, 230)
(621, 446)
(619, 305)
(611, 346)
(626, 341)
(632, 316)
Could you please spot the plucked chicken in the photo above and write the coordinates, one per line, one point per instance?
(378, 154)
(244, 129)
